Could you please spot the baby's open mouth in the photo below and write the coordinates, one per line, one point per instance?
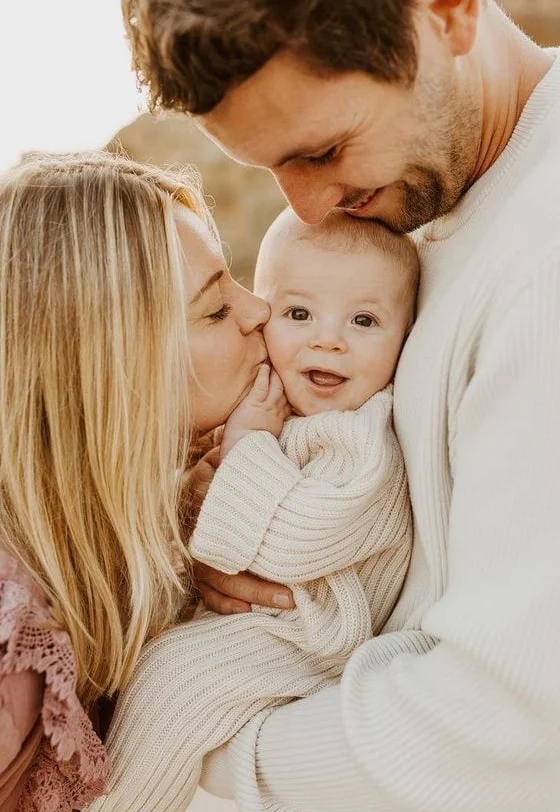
(325, 379)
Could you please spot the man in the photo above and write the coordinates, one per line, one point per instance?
(438, 114)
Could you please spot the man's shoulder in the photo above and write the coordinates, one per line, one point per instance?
(535, 192)
(532, 211)
(525, 231)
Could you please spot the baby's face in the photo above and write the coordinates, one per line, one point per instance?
(337, 325)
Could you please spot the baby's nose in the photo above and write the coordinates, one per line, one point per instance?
(330, 339)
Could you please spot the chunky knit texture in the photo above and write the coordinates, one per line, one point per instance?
(325, 509)
(472, 723)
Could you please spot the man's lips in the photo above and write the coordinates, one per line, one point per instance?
(362, 204)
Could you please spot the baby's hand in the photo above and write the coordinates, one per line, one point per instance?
(265, 408)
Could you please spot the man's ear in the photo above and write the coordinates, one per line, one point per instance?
(457, 22)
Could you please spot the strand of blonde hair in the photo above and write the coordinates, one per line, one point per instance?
(93, 363)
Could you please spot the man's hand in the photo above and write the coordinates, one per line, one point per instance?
(265, 408)
(232, 594)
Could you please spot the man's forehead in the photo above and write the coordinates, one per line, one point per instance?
(264, 147)
(281, 112)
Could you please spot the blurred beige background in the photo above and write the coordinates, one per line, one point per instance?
(246, 200)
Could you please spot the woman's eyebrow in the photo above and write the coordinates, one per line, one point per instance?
(207, 285)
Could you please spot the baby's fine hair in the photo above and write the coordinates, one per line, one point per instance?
(340, 232)
(93, 357)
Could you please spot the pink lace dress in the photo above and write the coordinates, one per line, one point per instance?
(61, 764)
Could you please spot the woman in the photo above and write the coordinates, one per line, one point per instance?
(122, 336)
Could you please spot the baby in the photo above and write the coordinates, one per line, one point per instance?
(319, 503)
(342, 297)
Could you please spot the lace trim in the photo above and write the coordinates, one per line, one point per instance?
(72, 764)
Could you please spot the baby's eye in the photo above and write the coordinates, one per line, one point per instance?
(364, 320)
(298, 314)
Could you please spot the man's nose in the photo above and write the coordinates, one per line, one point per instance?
(310, 200)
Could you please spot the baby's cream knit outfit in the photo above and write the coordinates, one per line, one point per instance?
(324, 509)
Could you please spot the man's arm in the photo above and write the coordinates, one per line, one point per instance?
(474, 723)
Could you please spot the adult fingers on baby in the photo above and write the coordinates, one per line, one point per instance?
(212, 458)
(217, 602)
(215, 591)
(226, 591)
(218, 435)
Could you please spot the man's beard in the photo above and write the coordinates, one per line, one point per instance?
(430, 190)
(423, 196)
(425, 192)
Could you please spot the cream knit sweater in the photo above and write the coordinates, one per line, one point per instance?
(472, 723)
(325, 509)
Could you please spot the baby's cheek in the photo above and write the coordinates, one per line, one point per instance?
(277, 345)
(282, 359)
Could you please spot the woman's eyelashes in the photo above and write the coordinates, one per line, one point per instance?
(221, 314)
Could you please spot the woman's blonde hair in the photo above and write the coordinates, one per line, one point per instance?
(93, 371)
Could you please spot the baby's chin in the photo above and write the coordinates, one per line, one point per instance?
(305, 407)
(297, 405)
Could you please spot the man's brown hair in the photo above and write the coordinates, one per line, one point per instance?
(191, 52)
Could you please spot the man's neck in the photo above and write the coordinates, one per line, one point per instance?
(511, 67)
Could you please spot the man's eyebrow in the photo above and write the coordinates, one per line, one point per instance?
(207, 285)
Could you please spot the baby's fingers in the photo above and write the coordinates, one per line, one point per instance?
(275, 388)
(261, 385)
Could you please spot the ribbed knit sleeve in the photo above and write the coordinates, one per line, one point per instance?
(198, 685)
(251, 482)
(472, 723)
(329, 495)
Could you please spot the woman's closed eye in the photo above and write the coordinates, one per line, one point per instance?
(298, 314)
(221, 314)
(365, 320)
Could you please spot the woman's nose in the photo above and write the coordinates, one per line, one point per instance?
(255, 313)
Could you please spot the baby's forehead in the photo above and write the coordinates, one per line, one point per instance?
(332, 287)
(309, 260)
(338, 247)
